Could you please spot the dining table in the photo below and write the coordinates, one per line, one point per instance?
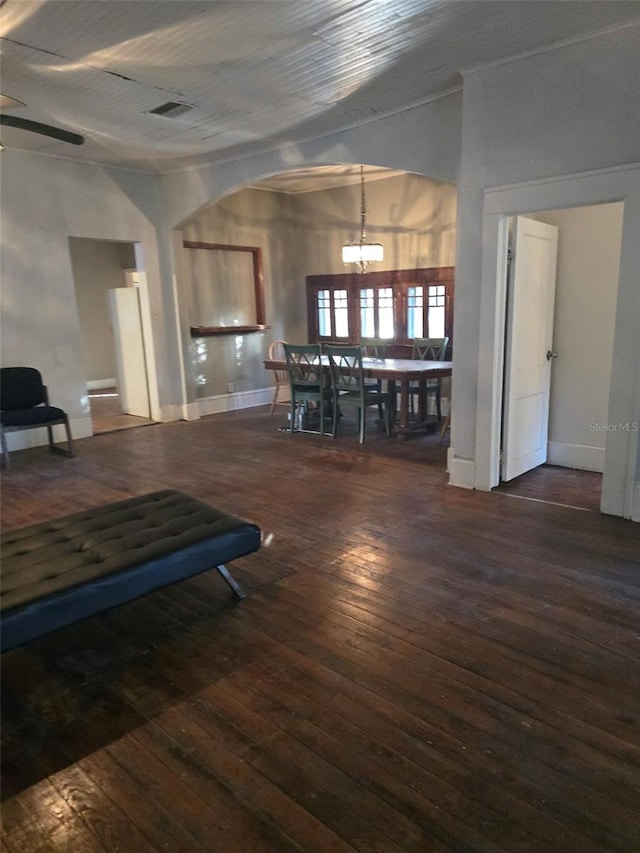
(399, 373)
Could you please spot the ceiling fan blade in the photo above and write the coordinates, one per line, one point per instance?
(44, 129)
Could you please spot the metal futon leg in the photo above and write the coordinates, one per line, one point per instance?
(233, 583)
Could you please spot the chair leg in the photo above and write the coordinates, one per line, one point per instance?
(438, 409)
(362, 422)
(445, 427)
(336, 415)
(55, 448)
(292, 424)
(275, 397)
(67, 428)
(5, 450)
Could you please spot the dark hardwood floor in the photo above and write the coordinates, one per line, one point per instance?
(107, 414)
(415, 668)
(563, 486)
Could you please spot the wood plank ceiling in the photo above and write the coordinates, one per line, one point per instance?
(254, 74)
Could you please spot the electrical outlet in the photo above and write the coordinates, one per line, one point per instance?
(231, 387)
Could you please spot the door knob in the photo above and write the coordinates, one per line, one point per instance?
(551, 354)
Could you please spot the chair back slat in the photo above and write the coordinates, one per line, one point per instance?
(375, 347)
(276, 353)
(430, 349)
(307, 386)
(346, 368)
(303, 365)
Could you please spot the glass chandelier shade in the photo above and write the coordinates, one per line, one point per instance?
(362, 253)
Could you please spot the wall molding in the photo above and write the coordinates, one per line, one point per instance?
(180, 412)
(231, 402)
(462, 472)
(99, 384)
(581, 456)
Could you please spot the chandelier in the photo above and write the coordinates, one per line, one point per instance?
(362, 253)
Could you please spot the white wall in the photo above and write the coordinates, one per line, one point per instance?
(45, 201)
(425, 140)
(97, 266)
(585, 307)
(568, 111)
(412, 216)
(246, 218)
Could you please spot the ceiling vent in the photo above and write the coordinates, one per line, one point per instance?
(171, 109)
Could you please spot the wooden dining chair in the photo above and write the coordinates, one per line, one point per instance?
(375, 348)
(446, 424)
(306, 381)
(429, 349)
(349, 389)
(276, 353)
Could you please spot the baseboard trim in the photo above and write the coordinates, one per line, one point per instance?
(99, 384)
(462, 472)
(180, 412)
(232, 402)
(580, 456)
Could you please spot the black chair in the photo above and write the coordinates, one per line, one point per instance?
(429, 349)
(24, 404)
(349, 388)
(306, 382)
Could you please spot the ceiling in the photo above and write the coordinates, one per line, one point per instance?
(254, 74)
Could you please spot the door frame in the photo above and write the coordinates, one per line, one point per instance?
(501, 203)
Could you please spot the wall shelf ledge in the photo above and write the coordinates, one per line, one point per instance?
(207, 331)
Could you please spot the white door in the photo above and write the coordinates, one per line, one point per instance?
(529, 353)
(124, 307)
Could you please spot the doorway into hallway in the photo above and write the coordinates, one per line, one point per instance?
(553, 484)
(107, 414)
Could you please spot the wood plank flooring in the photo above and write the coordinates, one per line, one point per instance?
(415, 668)
(107, 414)
(564, 486)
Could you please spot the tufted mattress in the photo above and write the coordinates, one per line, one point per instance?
(61, 571)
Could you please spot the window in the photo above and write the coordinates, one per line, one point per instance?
(398, 305)
(324, 313)
(436, 312)
(376, 312)
(415, 312)
(426, 318)
(332, 312)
